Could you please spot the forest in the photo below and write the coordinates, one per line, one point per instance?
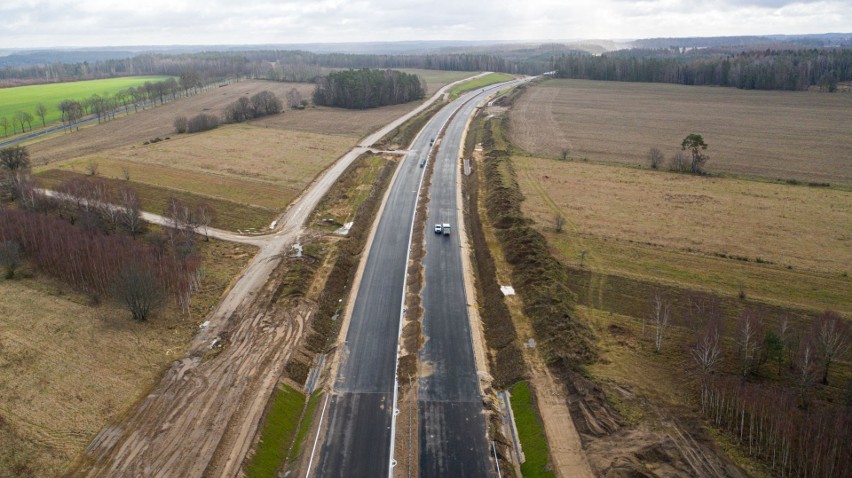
(368, 88)
(794, 70)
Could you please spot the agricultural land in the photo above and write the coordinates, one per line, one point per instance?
(249, 172)
(732, 243)
(770, 134)
(26, 98)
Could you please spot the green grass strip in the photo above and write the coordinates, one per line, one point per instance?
(530, 433)
(305, 425)
(282, 424)
(480, 82)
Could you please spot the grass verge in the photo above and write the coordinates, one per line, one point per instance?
(304, 426)
(279, 431)
(530, 433)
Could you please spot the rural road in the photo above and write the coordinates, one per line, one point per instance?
(360, 425)
(201, 418)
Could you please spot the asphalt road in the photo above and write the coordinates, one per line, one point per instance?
(359, 428)
(360, 413)
(453, 439)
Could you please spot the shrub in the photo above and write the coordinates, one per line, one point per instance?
(202, 122)
(181, 124)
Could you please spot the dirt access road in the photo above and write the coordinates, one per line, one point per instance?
(201, 418)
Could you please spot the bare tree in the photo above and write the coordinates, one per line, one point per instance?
(563, 154)
(204, 215)
(806, 369)
(831, 337)
(4, 123)
(680, 162)
(41, 112)
(294, 98)
(131, 216)
(10, 257)
(707, 352)
(749, 340)
(14, 168)
(138, 289)
(23, 118)
(125, 173)
(558, 222)
(655, 157)
(661, 312)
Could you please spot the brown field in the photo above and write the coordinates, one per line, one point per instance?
(337, 121)
(154, 122)
(784, 244)
(287, 159)
(772, 134)
(67, 366)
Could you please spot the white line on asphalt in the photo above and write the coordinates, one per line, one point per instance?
(316, 439)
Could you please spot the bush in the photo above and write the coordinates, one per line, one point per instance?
(180, 124)
(202, 122)
(681, 163)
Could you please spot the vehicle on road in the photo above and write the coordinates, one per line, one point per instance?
(431, 141)
(423, 162)
(438, 229)
(445, 229)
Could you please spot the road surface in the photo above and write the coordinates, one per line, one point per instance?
(360, 427)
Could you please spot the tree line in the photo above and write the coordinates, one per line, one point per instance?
(243, 109)
(368, 88)
(106, 106)
(90, 235)
(278, 65)
(761, 70)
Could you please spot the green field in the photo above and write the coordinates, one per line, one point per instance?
(475, 83)
(26, 98)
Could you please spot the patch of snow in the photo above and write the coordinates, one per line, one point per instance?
(507, 290)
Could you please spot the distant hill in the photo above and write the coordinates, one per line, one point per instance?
(788, 41)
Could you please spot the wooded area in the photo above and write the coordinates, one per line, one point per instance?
(366, 88)
(760, 70)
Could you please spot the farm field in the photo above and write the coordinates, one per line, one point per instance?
(770, 134)
(136, 128)
(26, 98)
(435, 79)
(287, 159)
(783, 244)
(68, 366)
(480, 82)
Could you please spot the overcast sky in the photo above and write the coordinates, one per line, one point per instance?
(44, 23)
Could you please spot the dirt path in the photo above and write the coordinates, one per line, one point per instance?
(566, 450)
